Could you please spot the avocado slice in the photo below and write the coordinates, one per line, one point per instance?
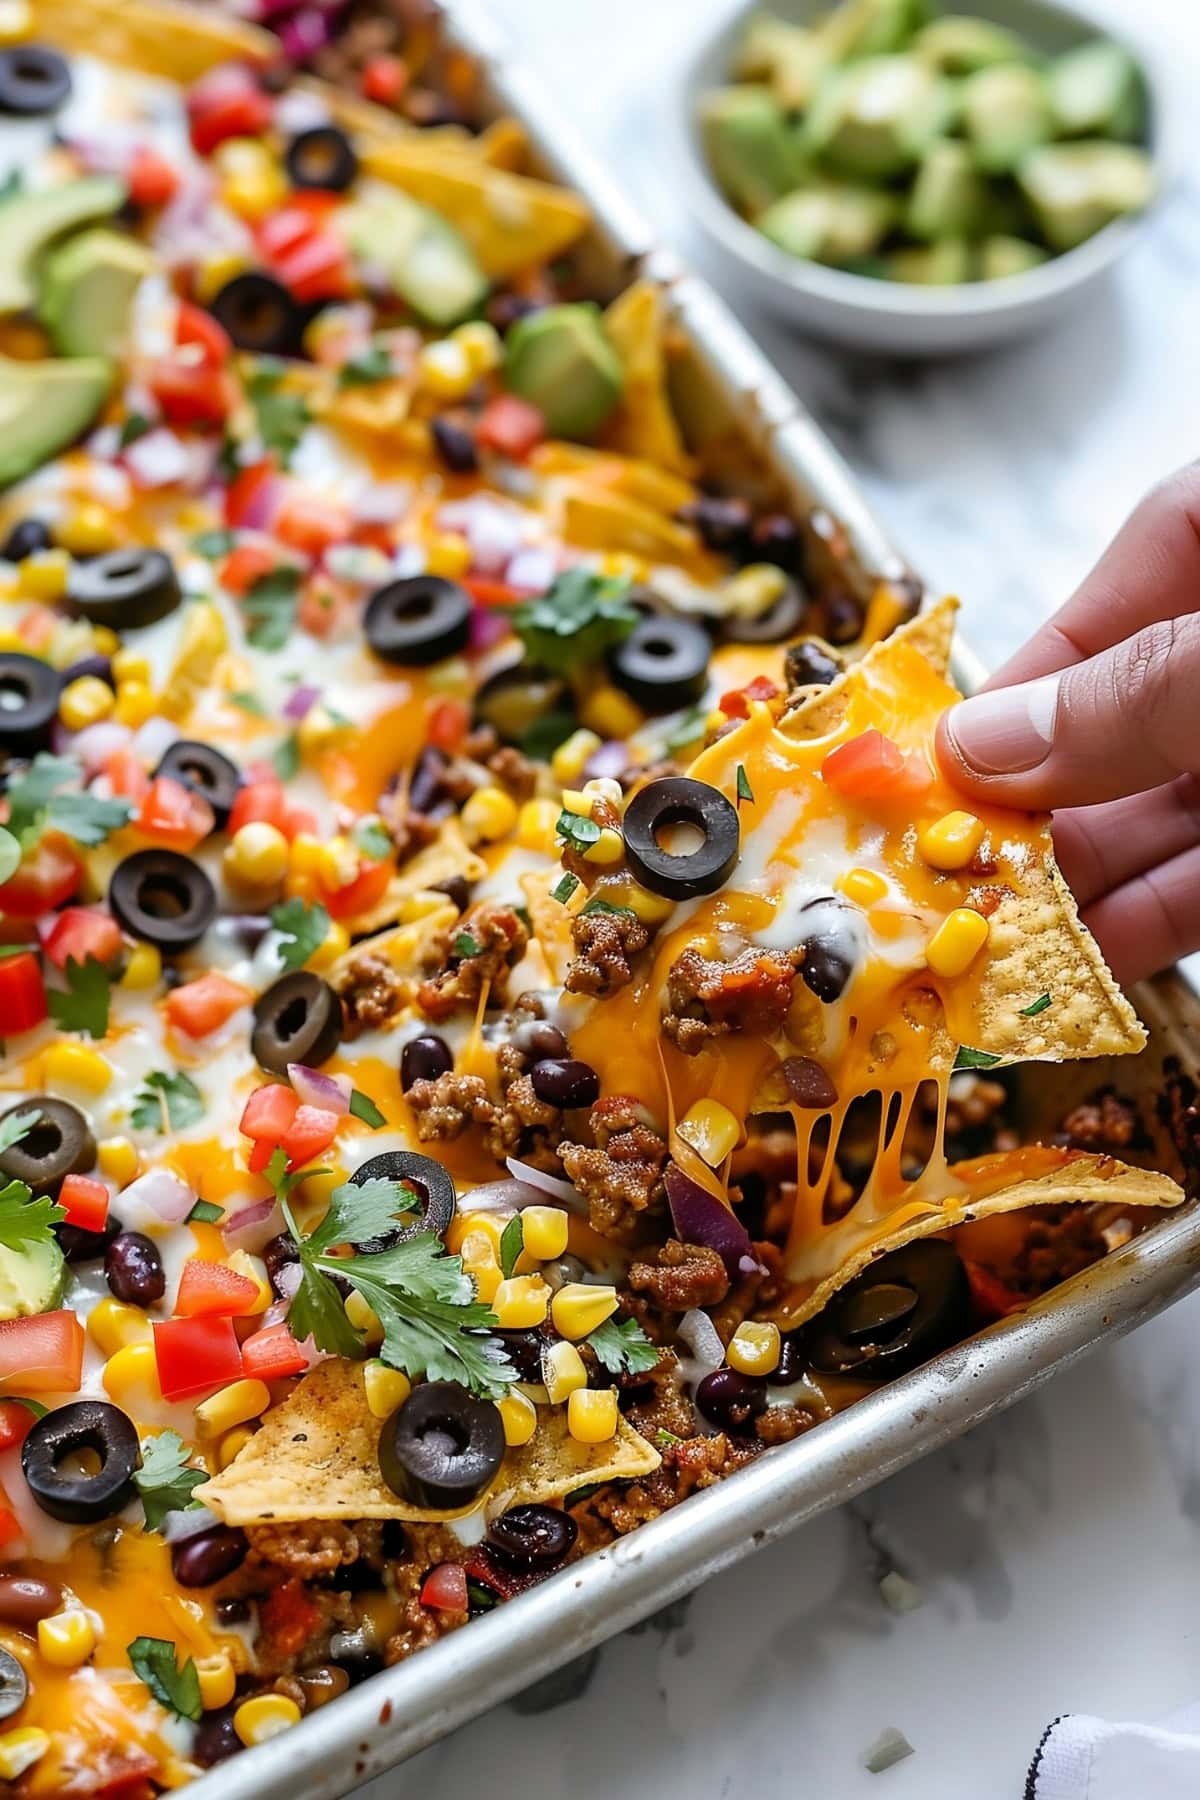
(870, 27)
(88, 286)
(1000, 255)
(427, 261)
(1077, 189)
(958, 45)
(1006, 113)
(33, 217)
(949, 197)
(789, 58)
(1096, 91)
(943, 264)
(750, 148)
(44, 406)
(33, 1279)
(560, 360)
(877, 117)
(830, 222)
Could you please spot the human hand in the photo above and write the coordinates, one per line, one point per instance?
(1097, 719)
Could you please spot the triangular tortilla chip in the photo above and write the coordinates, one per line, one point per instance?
(316, 1456)
(178, 43)
(643, 424)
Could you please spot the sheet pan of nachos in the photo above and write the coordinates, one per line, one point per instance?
(505, 1024)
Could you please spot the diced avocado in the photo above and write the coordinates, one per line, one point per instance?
(750, 147)
(1000, 256)
(1077, 189)
(790, 59)
(1006, 113)
(32, 218)
(958, 45)
(44, 406)
(33, 1279)
(943, 264)
(1096, 91)
(87, 290)
(877, 117)
(426, 260)
(830, 222)
(870, 27)
(560, 360)
(949, 196)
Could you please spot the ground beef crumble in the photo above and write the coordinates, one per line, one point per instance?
(605, 942)
(706, 998)
(514, 771)
(1107, 1121)
(445, 1107)
(681, 1276)
(499, 936)
(371, 993)
(621, 1174)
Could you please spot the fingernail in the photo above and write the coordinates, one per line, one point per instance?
(1008, 730)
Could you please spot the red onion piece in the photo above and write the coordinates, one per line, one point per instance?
(263, 504)
(488, 626)
(502, 1196)
(153, 739)
(700, 1218)
(300, 703)
(330, 1092)
(304, 34)
(382, 502)
(157, 1197)
(157, 459)
(253, 1226)
(96, 743)
(287, 1280)
(568, 1196)
(532, 569)
(609, 760)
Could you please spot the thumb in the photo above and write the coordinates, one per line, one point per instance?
(1120, 723)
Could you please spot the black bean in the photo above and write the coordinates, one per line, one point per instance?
(723, 523)
(732, 1400)
(809, 664)
(424, 1058)
(425, 786)
(524, 1349)
(843, 618)
(455, 445)
(232, 1609)
(533, 1537)
(24, 1599)
(777, 539)
(26, 536)
(209, 1556)
(565, 1081)
(78, 1245)
(793, 1359)
(539, 1040)
(134, 1270)
(808, 1084)
(216, 1739)
(456, 888)
(277, 1254)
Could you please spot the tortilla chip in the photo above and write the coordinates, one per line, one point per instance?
(409, 947)
(929, 635)
(178, 43)
(316, 1456)
(643, 424)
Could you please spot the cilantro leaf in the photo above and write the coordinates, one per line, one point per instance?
(270, 607)
(280, 414)
(363, 1107)
(178, 1689)
(512, 1242)
(204, 1213)
(35, 801)
(166, 1478)
(249, 703)
(665, 1440)
(372, 839)
(579, 617)
(1037, 1006)
(134, 427)
(285, 758)
(214, 543)
(24, 1220)
(177, 1094)
(687, 728)
(360, 1212)
(565, 888)
(302, 929)
(541, 739)
(372, 364)
(975, 1059)
(29, 795)
(88, 818)
(623, 1347)
(744, 790)
(578, 831)
(15, 1126)
(83, 1006)
(10, 854)
(465, 946)
(599, 905)
(316, 1312)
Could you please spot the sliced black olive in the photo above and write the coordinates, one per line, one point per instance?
(259, 314)
(442, 1447)
(723, 523)
(206, 772)
(297, 1020)
(432, 1185)
(533, 1537)
(60, 1437)
(679, 800)
(418, 620)
(898, 1313)
(162, 898)
(125, 588)
(26, 536)
(14, 1686)
(782, 619)
(663, 663)
(811, 663)
(514, 699)
(33, 80)
(322, 157)
(29, 691)
(59, 1144)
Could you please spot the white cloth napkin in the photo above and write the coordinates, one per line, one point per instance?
(1083, 1758)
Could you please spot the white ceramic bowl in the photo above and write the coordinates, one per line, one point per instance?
(894, 317)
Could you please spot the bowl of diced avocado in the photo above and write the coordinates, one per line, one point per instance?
(915, 180)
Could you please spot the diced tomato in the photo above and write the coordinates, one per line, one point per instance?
(488, 592)
(510, 426)
(272, 1353)
(310, 525)
(872, 767)
(991, 1298)
(260, 1156)
(226, 102)
(268, 1113)
(281, 231)
(316, 269)
(288, 1617)
(16, 1421)
(203, 1005)
(194, 1355)
(247, 505)
(448, 722)
(258, 802)
(360, 895)
(297, 819)
(85, 1201)
(384, 79)
(175, 815)
(49, 874)
(311, 1131)
(36, 627)
(736, 703)
(10, 1525)
(42, 1354)
(210, 1289)
(195, 327)
(126, 775)
(150, 178)
(192, 393)
(80, 932)
(246, 565)
(446, 1588)
(22, 992)
(117, 1772)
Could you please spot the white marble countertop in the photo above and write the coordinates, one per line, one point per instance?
(1057, 1549)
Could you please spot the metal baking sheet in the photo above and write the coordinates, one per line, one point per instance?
(756, 427)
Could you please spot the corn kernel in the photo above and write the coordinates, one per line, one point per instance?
(85, 702)
(623, 565)
(44, 575)
(202, 643)
(592, 1415)
(863, 886)
(66, 1639)
(754, 589)
(518, 1415)
(230, 1406)
(73, 1065)
(105, 641)
(610, 712)
(536, 826)
(86, 530)
(128, 666)
(317, 730)
(255, 1270)
(231, 1447)
(263, 1717)
(520, 1302)
(486, 1277)
(480, 343)
(448, 553)
(364, 1319)
(483, 1227)
(957, 942)
(650, 908)
(338, 863)
(951, 841)
(144, 968)
(335, 943)
(578, 1307)
(386, 1388)
(711, 1129)
(256, 855)
(212, 272)
(130, 1378)
(607, 850)
(218, 1680)
(488, 815)
(253, 193)
(450, 676)
(754, 1348)
(304, 857)
(118, 1159)
(563, 1371)
(544, 1231)
(16, 24)
(567, 762)
(574, 800)
(135, 704)
(20, 1749)
(444, 370)
(114, 1325)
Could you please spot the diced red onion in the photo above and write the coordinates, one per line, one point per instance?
(304, 34)
(493, 532)
(157, 459)
(263, 504)
(152, 740)
(489, 624)
(188, 1522)
(702, 1338)
(96, 743)
(502, 1196)
(300, 702)
(157, 1197)
(314, 1088)
(298, 111)
(562, 1191)
(253, 1226)
(382, 502)
(609, 760)
(104, 443)
(532, 569)
(287, 1280)
(700, 1218)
